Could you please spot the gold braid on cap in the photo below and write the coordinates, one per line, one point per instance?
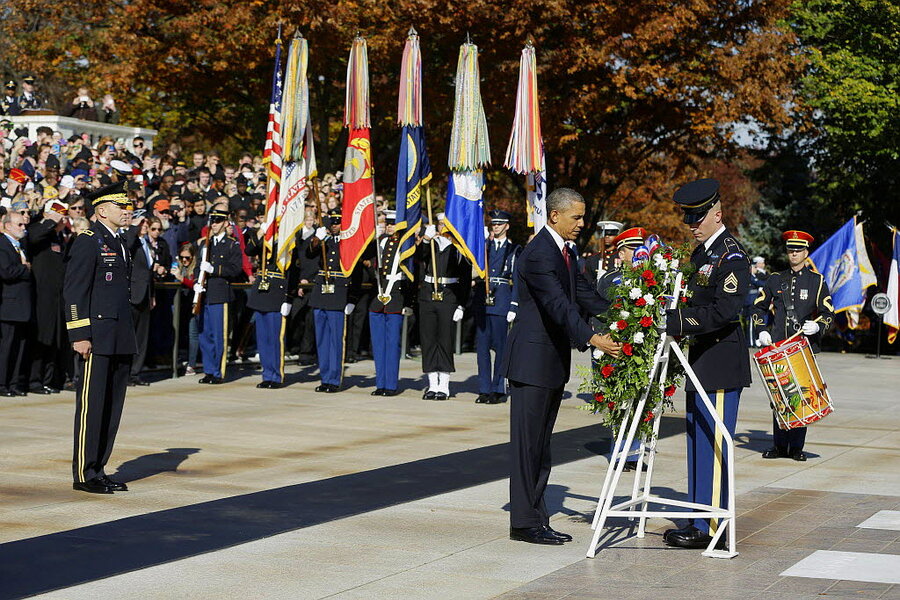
(118, 198)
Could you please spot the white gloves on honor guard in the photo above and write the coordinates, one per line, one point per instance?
(458, 314)
(810, 328)
(764, 339)
(285, 309)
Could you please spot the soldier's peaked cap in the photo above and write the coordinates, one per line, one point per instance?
(696, 198)
(795, 239)
(114, 193)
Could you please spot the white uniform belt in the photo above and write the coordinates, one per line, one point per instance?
(333, 274)
(505, 280)
(442, 280)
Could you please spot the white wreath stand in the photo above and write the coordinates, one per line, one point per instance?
(637, 506)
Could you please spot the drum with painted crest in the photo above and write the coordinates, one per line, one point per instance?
(796, 389)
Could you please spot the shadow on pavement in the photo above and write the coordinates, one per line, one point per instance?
(153, 464)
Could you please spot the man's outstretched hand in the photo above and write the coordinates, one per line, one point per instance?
(606, 344)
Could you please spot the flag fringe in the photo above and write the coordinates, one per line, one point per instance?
(356, 107)
(409, 102)
(469, 144)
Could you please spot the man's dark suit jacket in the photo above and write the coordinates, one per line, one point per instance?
(17, 284)
(548, 322)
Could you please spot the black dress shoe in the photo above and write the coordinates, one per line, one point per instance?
(687, 529)
(429, 395)
(497, 398)
(775, 453)
(52, 390)
(689, 537)
(334, 389)
(205, 379)
(274, 385)
(377, 392)
(215, 381)
(323, 388)
(350, 360)
(40, 390)
(558, 534)
(389, 393)
(138, 381)
(799, 456)
(534, 535)
(116, 486)
(483, 399)
(8, 394)
(19, 392)
(264, 385)
(440, 396)
(92, 486)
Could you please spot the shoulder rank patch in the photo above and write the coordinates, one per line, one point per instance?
(692, 321)
(731, 284)
(86, 232)
(734, 255)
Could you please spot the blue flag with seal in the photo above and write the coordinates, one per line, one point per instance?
(464, 215)
(413, 174)
(837, 259)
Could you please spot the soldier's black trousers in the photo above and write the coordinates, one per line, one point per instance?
(100, 384)
(436, 328)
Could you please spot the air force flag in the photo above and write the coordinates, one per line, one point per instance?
(464, 215)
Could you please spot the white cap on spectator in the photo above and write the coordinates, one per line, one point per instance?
(121, 166)
(67, 181)
(758, 259)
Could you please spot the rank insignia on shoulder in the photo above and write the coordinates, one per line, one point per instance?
(86, 232)
(731, 284)
(734, 255)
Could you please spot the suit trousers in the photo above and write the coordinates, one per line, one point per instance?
(100, 385)
(330, 331)
(48, 365)
(13, 336)
(707, 454)
(140, 315)
(213, 331)
(490, 334)
(385, 330)
(790, 440)
(436, 329)
(270, 344)
(533, 413)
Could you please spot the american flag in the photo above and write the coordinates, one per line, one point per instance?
(273, 149)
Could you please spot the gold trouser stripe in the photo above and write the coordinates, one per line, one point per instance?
(343, 349)
(82, 421)
(224, 339)
(716, 500)
(281, 347)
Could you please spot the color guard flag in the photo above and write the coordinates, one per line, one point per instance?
(892, 318)
(844, 263)
(272, 149)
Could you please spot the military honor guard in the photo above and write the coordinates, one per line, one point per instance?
(268, 298)
(792, 302)
(9, 103)
(443, 292)
(220, 265)
(98, 320)
(494, 303)
(333, 299)
(718, 354)
(605, 259)
(29, 100)
(386, 310)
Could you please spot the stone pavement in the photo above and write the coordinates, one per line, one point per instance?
(291, 494)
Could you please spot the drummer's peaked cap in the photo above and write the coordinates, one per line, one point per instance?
(795, 239)
(696, 198)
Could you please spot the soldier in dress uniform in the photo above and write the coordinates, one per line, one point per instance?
(269, 299)
(9, 104)
(718, 355)
(387, 309)
(333, 298)
(494, 304)
(29, 100)
(222, 265)
(98, 319)
(792, 302)
(441, 303)
(604, 259)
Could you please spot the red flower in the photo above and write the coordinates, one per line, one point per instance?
(610, 405)
(649, 416)
(684, 299)
(640, 302)
(607, 370)
(646, 321)
(667, 256)
(627, 349)
(669, 392)
(651, 282)
(598, 397)
(647, 274)
(621, 324)
(618, 304)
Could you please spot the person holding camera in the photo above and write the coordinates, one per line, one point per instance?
(82, 107)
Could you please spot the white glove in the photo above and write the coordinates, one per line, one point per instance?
(321, 233)
(198, 288)
(764, 339)
(510, 316)
(430, 232)
(206, 266)
(348, 310)
(285, 309)
(810, 328)
(407, 311)
(458, 314)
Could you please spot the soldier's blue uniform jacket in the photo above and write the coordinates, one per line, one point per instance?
(501, 268)
(788, 299)
(401, 289)
(346, 289)
(96, 292)
(225, 256)
(9, 105)
(386, 319)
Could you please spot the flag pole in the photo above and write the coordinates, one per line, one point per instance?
(436, 295)
(265, 249)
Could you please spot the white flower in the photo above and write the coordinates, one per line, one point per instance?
(635, 293)
(614, 326)
(648, 298)
(624, 314)
(674, 264)
(660, 261)
(639, 337)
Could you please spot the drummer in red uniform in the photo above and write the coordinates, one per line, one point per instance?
(792, 302)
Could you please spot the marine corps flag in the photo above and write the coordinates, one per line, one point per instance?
(299, 152)
(469, 154)
(413, 168)
(358, 211)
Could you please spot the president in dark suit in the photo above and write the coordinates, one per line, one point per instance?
(537, 358)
